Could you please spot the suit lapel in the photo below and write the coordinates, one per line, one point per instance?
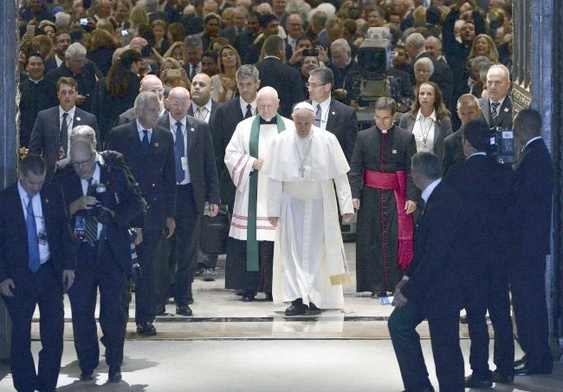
(504, 110)
(20, 217)
(190, 128)
(486, 109)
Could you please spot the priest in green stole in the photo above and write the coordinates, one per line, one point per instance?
(250, 248)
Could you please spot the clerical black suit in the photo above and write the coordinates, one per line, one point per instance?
(485, 189)
(45, 287)
(204, 186)
(35, 96)
(532, 225)
(377, 244)
(103, 266)
(154, 170)
(434, 293)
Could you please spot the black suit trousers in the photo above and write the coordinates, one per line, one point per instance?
(530, 310)
(44, 289)
(444, 331)
(490, 292)
(98, 270)
(145, 290)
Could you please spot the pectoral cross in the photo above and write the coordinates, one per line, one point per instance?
(302, 170)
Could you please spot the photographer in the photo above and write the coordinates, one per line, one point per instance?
(102, 200)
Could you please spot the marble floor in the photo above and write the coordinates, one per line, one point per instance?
(229, 345)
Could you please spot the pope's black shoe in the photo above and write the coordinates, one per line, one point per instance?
(297, 308)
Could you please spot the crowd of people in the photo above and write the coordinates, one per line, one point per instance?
(139, 119)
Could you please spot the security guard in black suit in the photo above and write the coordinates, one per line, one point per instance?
(102, 201)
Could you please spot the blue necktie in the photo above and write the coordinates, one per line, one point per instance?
(318, 116)
(32, 237)
(145, 141)
(179, 152)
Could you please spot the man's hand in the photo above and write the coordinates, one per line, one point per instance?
(6, 287)
(213, 210)
(82, 203)
(356, 203)
(323, 54)
(399, 299)
(274, 220)
(257, 165)
(347, 217)
(139, 237)
(410, 206)
(80, 99)
(68, 279)
(170, 226)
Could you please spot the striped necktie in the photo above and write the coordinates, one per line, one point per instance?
(494, 110)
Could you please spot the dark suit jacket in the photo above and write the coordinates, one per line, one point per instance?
(442, 129)
(285, 79)
(453, 151)
(226, 120)
(46, 133)
(504, 118)
(129, 207)
(125, 117)
(434, 274)
(485, 189)
(34, 98)
(155, 170)
(201, 161)
(14, 255)
(342, 121)
(242, 42)
(532, 202)
(214, 106)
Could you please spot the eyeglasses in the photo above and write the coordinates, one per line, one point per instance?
(179, 105)
(314, 85)
(82, 163)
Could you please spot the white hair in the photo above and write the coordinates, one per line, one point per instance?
(74, 49)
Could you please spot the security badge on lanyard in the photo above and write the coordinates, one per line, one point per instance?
(42, 235)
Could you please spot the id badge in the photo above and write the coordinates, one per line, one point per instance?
(184, 163)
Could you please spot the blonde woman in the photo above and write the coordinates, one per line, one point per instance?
(224, 83)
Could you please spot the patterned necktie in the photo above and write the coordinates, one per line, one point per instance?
(145, 141)
(64, 132)
(201, 113)
(318, 116)
(248, 111)
(494, 110)
(91, 224)
(193, 71)
(179, 152)
(32, 237)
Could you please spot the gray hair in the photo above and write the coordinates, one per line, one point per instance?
(143, 99)
(503, 68)
(480, 62)
(193, 42)
(83, 132)
(62, 19)
(425, 61)
(248, 71)
(342, 43)
(324, 75)
(417, 40)
(74, 49)
(427, 164)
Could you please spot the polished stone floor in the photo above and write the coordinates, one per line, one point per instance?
(233, 346)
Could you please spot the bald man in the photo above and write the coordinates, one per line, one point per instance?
(150, 83)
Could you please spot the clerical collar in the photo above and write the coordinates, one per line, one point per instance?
(532, 140)
(272, 121)
(35, 81)
(479, 153)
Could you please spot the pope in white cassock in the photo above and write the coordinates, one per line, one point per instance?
(250, 249)
(305, 166)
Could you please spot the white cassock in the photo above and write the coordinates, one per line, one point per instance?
(239, 163)
(309, 258)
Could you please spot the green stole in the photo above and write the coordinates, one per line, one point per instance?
(252, 257)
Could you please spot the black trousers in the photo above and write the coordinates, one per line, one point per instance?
(98, 271)
(236, 275)
(530, 310)
(145, 283)
(489, 291)
(444, 332)
(44, 288)
(183, 248)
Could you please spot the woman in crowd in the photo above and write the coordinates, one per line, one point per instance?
(483, 45)
(428, 120)
(423, 70)
(161, 42)
(173, 75)
(178, 52)
(224, 83)
(101, 45)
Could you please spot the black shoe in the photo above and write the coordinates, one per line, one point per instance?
(86, 376)
(499, 378)
(208, 275)
(190, 301)
(114, 375)
(521, 362)
(297, 308)
(199, 271)
(463, 320)
(529, 371)
(313, 307)
(146, 329)
(160, 310)
(475, 382)
(248, 296)
(184, 310)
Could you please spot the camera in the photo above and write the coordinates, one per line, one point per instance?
(83, 21)
(503, 148)
(310, 53)
(99, 191)
(173, 73)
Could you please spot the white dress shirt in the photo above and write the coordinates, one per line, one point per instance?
(187, 177)
(424, 131)
(325, 109)
(69, 123)
(95, 180)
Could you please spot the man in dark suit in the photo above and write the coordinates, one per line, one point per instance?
(36, 266)
(150, 83)
(239, 25)
(102, 202)
(431, 289)
(196, 182)
(52, 126)
(468, 109)
(285, 79)
(497, 107)
(294, 29)
(415, 46)
(531, 233)
(246, 38)
(330, 114)
(269, 26)
(149, 152)
(485, 189)
(228, 116)
(62, 41)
